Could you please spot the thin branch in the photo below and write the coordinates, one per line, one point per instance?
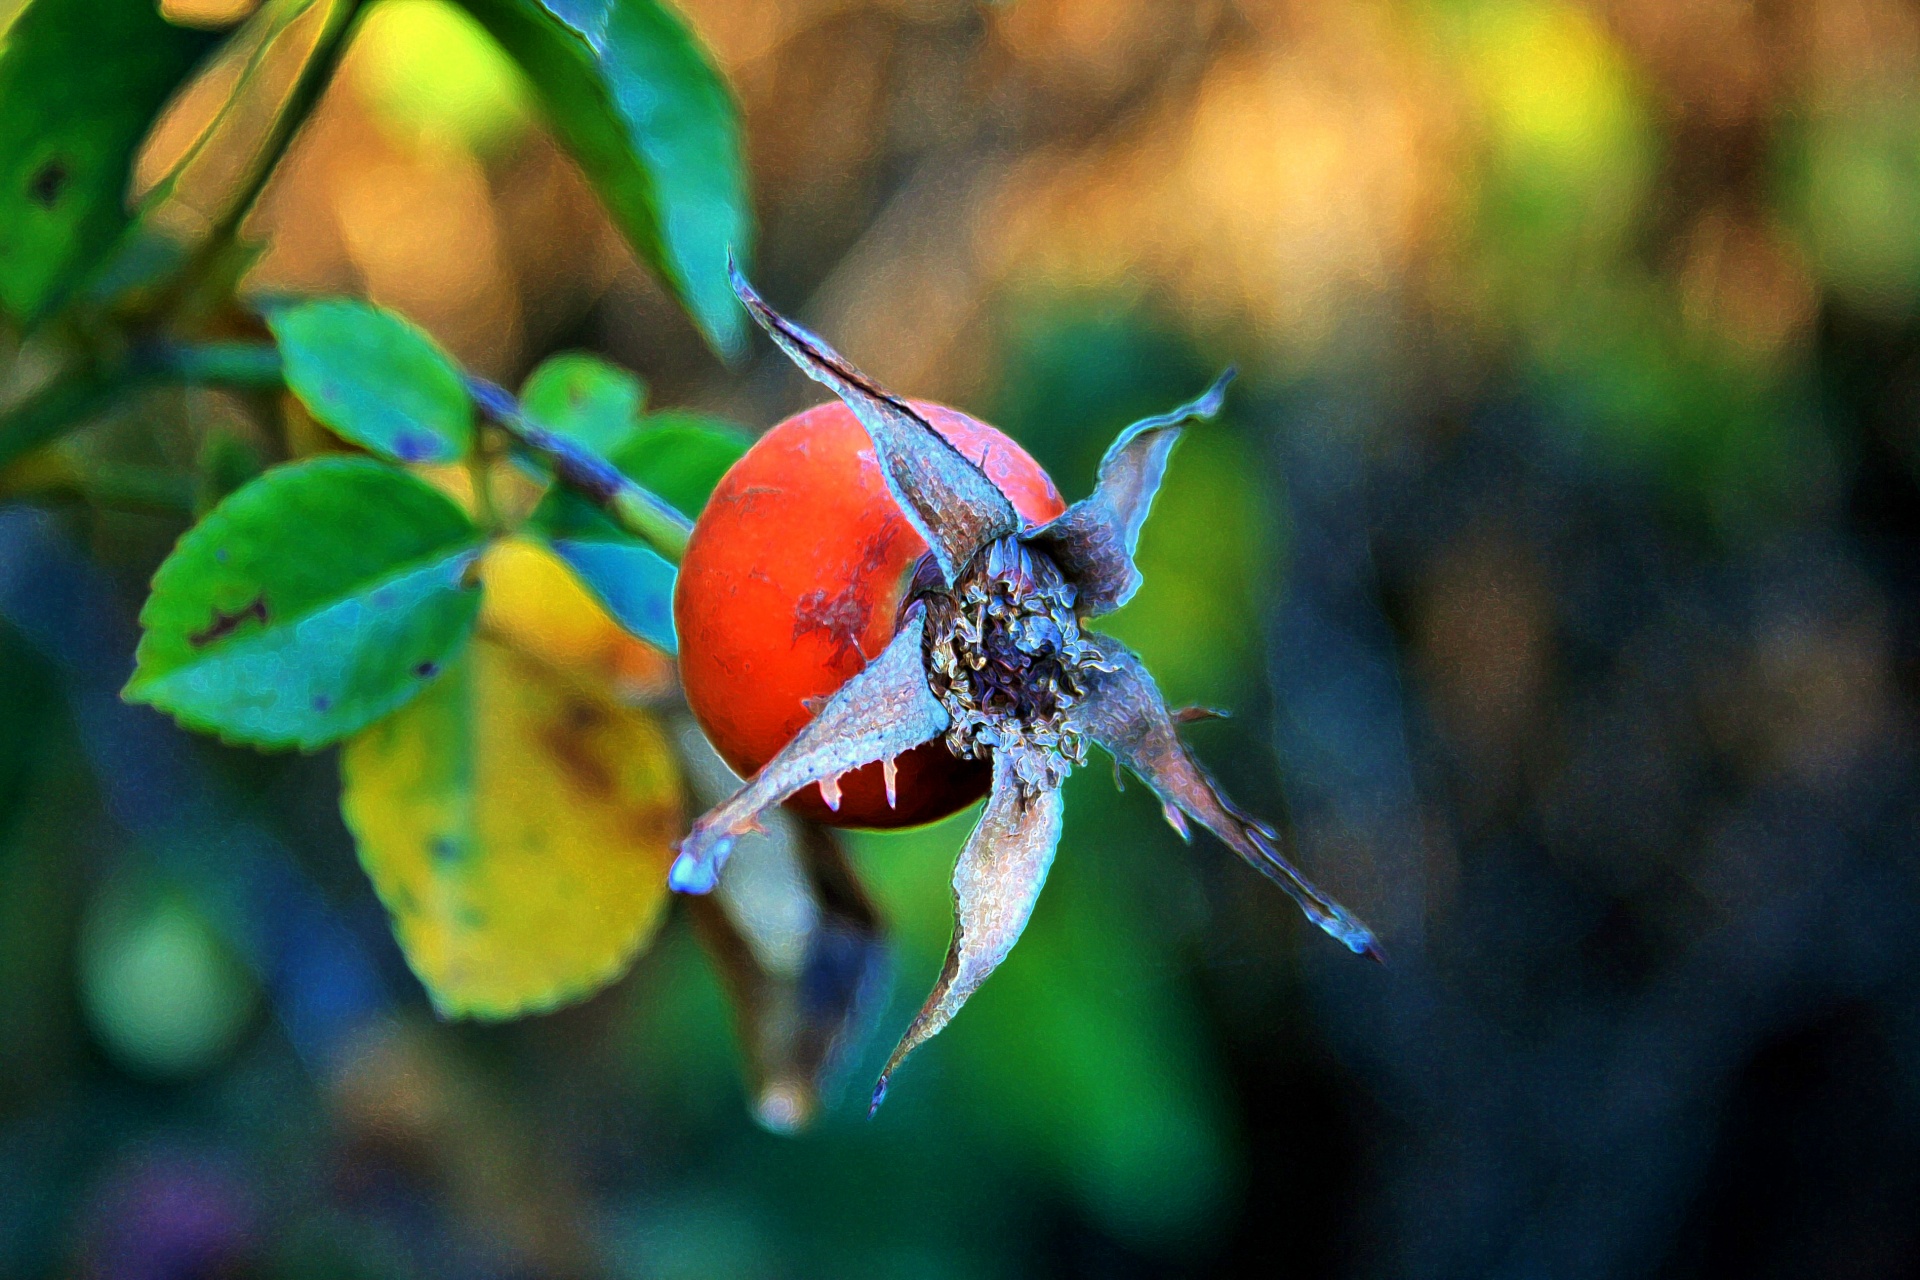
(81, 393)
(241, 365)
(66, 401)
(72, 398)
(114, 486)
(636, 510)
(315, 76)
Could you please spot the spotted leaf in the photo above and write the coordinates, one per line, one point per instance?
(80, 83)
(517, 826)
(374, 379)
(308, 604)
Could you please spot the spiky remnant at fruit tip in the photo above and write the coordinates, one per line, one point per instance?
(1006, 657)
(989, 658)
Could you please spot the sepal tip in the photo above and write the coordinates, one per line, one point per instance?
(691, 874)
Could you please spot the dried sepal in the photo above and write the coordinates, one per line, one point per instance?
(1094, 541)
(995, 884)
(882, 711)
(1124, 713)
(949, 501)
(801, 952)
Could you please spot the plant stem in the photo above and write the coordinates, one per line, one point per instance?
(137, 488)
(76, 395)
(309, 85)
(636, 510)
(69, 398)
(479, 471)
(80, 393)
(248, 365)
(256, 366)
(114, 485)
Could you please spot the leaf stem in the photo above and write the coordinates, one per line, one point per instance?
(73, 397)
(635, 509)
(135, 488)
(117, 486)
(479, 470)
(247, 365)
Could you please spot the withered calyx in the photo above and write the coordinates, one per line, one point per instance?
(991, 655)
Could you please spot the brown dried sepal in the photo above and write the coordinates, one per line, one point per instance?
(991, 657)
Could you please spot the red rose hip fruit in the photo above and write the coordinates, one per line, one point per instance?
(794, 578)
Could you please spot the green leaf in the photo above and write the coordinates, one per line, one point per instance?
(631, 94)
(80, 82)
(374, 379)
(680, 457)
(315, 600)
(585, 399)
(518, 829)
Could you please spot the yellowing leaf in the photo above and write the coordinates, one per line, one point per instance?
(517, 827)
(536, 603)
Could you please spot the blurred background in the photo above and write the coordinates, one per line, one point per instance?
(1559, 560)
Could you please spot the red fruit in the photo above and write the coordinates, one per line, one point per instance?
(794, 578)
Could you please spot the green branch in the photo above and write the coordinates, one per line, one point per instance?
(341, 20)
(635, 509)
(240, 365)
(70, 398)
(85, 391)
(73, 398)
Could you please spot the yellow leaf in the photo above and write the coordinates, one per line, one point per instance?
(518, 828)
(534, 602)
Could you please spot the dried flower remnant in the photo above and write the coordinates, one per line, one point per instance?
(991, 658)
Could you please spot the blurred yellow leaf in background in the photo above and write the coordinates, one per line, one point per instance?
(517, 827)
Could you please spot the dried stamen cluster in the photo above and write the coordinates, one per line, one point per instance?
(1006, 657)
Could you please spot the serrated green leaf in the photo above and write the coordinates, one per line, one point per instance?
(631, 94)
(310, 603)
(80, 82)
(374, 379)
(585, 399)
(680, 457)
(518, 829)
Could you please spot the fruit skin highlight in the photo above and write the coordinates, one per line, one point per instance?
(794, 578)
